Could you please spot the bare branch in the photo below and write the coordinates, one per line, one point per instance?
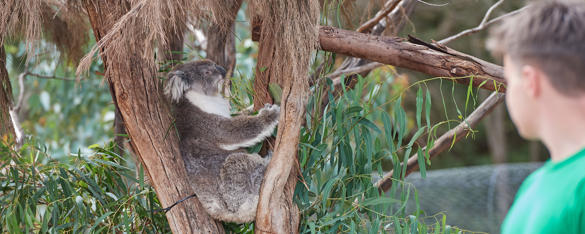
(489, 11)
(21, 89)
(336, 76)
(53, 77)
(395, 17)
(388, 8)
(484, 24)
(447, 139)
(432, 59)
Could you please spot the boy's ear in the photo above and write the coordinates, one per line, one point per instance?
(532, 80)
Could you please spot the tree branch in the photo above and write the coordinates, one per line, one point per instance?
(389, 6)
(435, 60)
(484, 24)
(53, 77)
(336, 75)
(447, 139)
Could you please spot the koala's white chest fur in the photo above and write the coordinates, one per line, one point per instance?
(210, 104)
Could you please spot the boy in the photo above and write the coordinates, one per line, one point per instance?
(544, 65)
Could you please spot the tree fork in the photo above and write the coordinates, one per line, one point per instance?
(147, 118)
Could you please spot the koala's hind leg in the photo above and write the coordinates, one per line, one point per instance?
(240, 179)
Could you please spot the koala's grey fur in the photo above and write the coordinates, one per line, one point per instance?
(224, 177)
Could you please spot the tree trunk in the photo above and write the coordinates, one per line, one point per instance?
(283, 59)
(495, 126)
(221, 44)
(136, 92)
(6, 126)
(432, 59)
(262, 78)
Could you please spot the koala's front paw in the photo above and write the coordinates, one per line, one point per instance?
(270, 111)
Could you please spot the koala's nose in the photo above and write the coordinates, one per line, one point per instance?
(221, 70)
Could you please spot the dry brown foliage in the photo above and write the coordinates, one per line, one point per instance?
(21, 18)
(147, 22)
(295, 40)
(66, 26)
(62, 23)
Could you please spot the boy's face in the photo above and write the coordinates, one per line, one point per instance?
(520, 98)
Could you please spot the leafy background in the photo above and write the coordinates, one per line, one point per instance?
(66, 177)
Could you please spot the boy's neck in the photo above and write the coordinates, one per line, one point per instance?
(563, 131)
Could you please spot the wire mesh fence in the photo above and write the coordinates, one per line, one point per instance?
(473, 198)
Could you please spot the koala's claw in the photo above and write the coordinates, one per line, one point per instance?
(270, 108)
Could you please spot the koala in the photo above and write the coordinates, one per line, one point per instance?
(224, 177)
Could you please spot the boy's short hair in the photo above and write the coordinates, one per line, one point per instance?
(551, 36)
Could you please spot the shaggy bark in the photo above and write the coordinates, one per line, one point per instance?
(136, 93)
(432, 59)
(221, 45)
(6, 127)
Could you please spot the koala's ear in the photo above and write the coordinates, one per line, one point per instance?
(176, 85)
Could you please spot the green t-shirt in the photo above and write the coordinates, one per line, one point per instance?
(551, 200)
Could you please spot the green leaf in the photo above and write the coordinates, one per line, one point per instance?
(469, 93)
(421, 163)
(428, 109)
(370, 125)
(388, 130)
(419, 106)
(379, 201)
(327, 190)
(416, 135)
(397, 226)
(454, 140)
(276, 92)
(100, 219)
(405, 162)
(353, 109)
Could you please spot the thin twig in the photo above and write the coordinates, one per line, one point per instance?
(336, 76)
(377, 29)
(489, 11)
(388, 8)
(26, 73)
(21, 89)
(432, 4)
(449, 138)
(53, 77)
(481, 26)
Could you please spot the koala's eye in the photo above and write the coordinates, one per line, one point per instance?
(207, 73)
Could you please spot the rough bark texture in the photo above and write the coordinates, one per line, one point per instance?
(277, 212)
(146, 115)
(288, 35)
(6, 127)
(445, 141)
(435, 60)
(263, 76)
